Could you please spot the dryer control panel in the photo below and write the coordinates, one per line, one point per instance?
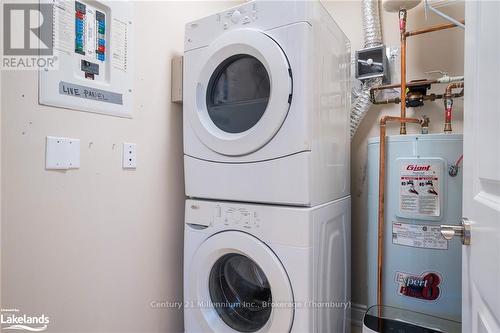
(242, 15)
(259, 15)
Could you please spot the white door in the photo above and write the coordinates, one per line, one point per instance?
(243, 92)
(236, 279)
(481, 195)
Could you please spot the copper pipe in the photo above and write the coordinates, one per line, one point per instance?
(432, 29)
(433, 97)
(381, 196)
(386, 86)
(397, 85)
(430, 97)
(452, 86)
(402, 32)
(397, 100)
(411, 83)
(403, 35)
(448, 104)
(392, 86)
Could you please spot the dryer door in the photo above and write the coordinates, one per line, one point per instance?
(243, 92)
(237, 284)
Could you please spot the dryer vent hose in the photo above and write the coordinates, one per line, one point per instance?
(372, 35)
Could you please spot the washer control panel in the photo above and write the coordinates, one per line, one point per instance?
(236, 217)
(222, 215)
(270, 224)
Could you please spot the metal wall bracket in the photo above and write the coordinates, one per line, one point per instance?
(428, 7)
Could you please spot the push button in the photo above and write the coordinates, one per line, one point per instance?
(235, 17)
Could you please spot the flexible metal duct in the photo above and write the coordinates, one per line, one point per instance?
(371, 23)
(373, 37)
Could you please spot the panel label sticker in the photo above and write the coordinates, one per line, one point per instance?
(419, 188)
(425, 286)
(63, 27)
(418, 235)
(99, 95)
(90, 33)
(120, 47)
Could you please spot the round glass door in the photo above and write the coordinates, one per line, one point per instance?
(242, 93)
(238, 93)
(240, 293)
(234, 282)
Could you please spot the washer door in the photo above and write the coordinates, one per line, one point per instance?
(237, 284)
(243, 92)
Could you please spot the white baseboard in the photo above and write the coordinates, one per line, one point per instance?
(357, 313)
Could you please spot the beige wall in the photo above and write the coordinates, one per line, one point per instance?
(435, 51)
(91, 248)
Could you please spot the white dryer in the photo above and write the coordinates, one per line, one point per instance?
(266, 105)
(264, 268)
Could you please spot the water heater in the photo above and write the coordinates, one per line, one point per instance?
(421, 269)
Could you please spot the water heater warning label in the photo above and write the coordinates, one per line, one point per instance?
(419, 188)
(418, 235)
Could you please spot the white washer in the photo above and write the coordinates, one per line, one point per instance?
(266, 105)
(264, 268)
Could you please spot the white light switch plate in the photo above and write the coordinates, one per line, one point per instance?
(129, 155)
(62, 153)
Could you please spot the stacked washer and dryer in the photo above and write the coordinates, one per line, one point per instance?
(267, 157)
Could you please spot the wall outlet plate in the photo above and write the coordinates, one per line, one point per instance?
(129, 156)
(62, 153)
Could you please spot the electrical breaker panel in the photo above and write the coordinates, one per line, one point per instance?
(92, 45)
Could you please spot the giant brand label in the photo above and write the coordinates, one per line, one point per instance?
(419, 188)
(425, 286)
